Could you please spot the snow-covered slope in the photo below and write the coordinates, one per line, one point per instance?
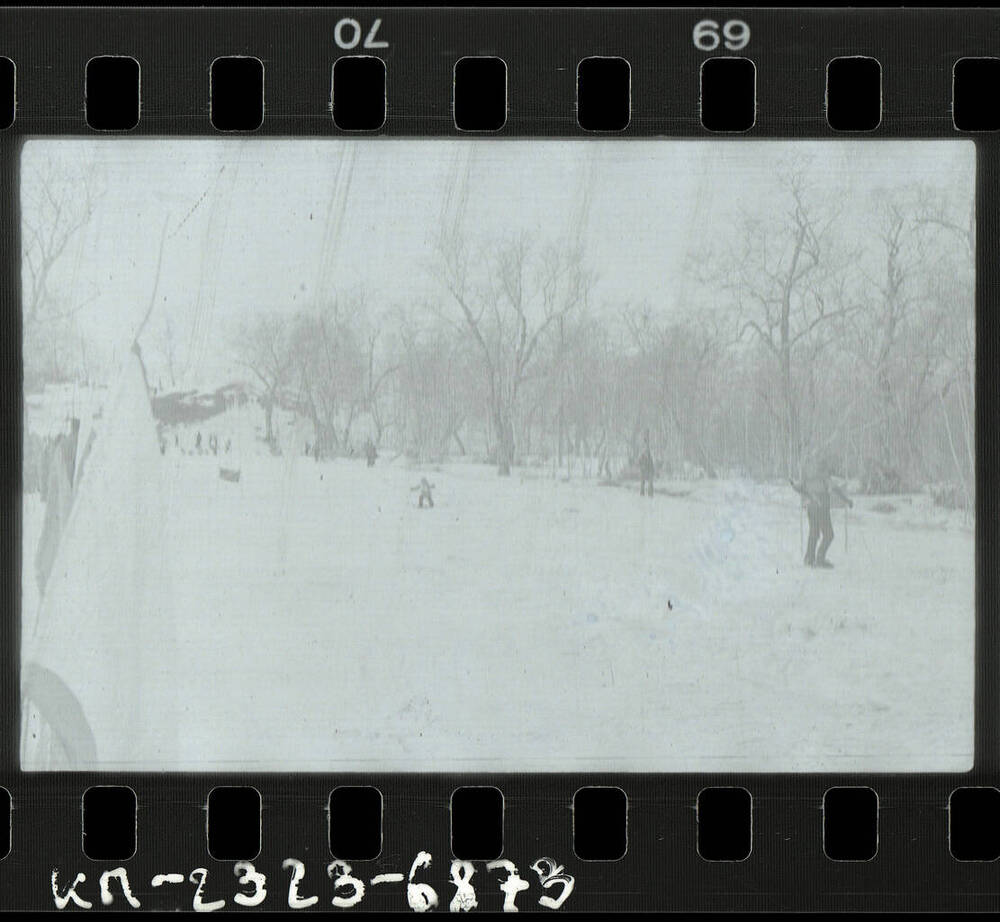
(311, 617)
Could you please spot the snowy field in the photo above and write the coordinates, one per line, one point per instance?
(809, 301)
(310, 617)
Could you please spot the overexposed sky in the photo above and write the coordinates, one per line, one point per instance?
(276, 225)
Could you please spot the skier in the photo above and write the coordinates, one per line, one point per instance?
(646, 470)
(425, 492)
(815, 490)
(371, 455)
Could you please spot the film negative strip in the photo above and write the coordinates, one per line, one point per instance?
(487, 459)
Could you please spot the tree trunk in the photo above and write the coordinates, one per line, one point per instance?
(794, 448)
(704, 460)
(505, 442)
(268, 417)
(561, 434)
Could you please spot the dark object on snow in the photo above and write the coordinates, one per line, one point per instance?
(213, 443)
(371, 455)
(228, 473)
(425, 492)
(194, 406)
(197, 443)
(646, 468)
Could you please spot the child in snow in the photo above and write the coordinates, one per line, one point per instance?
(425, 492)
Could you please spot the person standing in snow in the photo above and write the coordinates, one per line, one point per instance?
(816, 489)
(646, 468)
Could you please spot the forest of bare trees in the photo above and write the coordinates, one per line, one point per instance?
(54, 213)
(803, 330)
(807, 336)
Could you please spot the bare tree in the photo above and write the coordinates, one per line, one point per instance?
(264, 349)
(375, 381)
(898, 354)
(57, 204)
(786, 286)
(331, 370)
(951, 279)
(508, 298)
(682, 360)
(437, 387)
